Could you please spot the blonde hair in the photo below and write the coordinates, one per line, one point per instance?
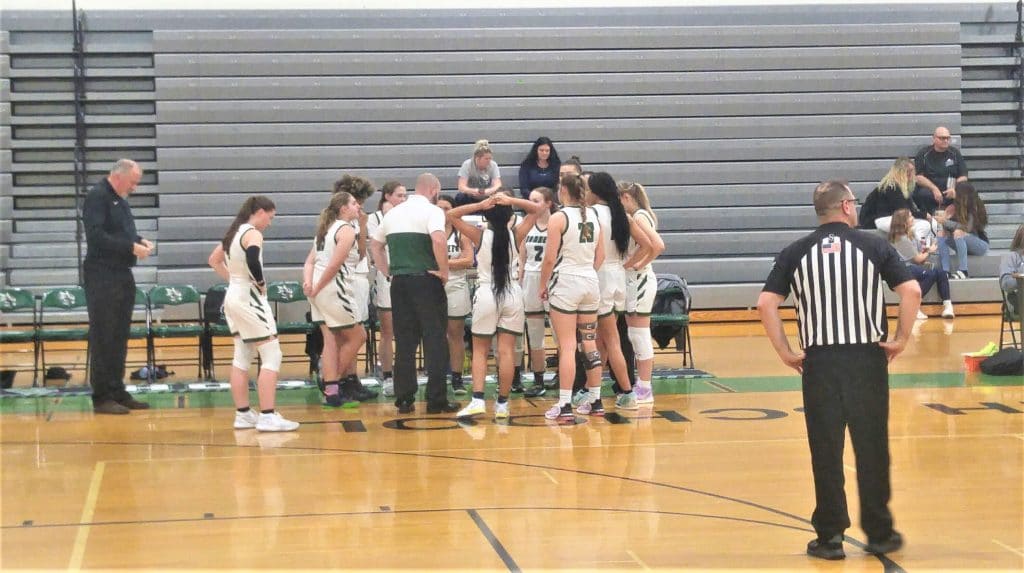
(900, 226)
(639, 195)
(577, 189)
(1017, 244)
(481, 147)
(329, 215)
(899, 177)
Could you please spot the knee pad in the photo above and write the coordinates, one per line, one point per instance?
(588, 331)
(640, 338)
(592, 360)
(243, 355)
(270, 355)
(535, 332)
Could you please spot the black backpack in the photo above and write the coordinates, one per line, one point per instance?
(673, 298)
(1006, 362)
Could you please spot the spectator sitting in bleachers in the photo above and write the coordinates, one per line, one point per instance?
(540, 168)
(964, 229)
(1012, 262)
(907, 246)
(479, 177)
(894, 193)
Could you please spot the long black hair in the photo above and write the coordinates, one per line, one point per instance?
(251, 205)
(531, 157)
(602, 185)
(501, 248)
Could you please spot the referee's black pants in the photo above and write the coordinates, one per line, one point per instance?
(110, 297)
(419, 311)
(848, 385)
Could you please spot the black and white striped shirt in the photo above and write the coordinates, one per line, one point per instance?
(835, 275)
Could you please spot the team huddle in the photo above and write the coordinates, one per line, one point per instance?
(578, 257)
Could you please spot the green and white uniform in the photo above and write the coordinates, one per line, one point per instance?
(335, 304)
(457, 287)
(574, 287)
(642, 285)
(247, 311)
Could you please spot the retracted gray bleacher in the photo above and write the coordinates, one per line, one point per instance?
(728, 115)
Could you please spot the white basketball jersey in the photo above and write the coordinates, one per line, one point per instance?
(455, 252)
(238, 269)
(612, 258)
(324, 253)
(633, 246)
(533, 245)
(483, 257)
(579, 243)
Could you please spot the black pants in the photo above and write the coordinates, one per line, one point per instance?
(110, 297)
(848, 385)
(419, 310)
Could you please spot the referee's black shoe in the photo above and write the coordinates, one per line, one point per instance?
(892, 543)
(831, 550)
(405, 406)
(443, 408)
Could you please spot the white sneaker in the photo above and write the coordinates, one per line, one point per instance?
(475, 406)
(921, 315)
(581, 396)
(246, 420)
(500, 410)
(388, 387)
(947, 310)
(274, 422)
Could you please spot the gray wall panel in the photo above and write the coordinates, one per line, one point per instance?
(555, 62)
(266, 181)
(533, 85)
(683, 152)
(757, 15)
(416, 39)
(740, 105)
(560, 130)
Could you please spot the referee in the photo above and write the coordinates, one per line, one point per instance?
(835, 275)
(414, 232)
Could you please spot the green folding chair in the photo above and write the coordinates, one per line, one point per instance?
(64, 299)
(176, 296)
(13, 300)
(290, 292)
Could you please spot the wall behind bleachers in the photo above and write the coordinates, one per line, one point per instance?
(728, 116)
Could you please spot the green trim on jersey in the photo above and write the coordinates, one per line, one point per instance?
(411, 253)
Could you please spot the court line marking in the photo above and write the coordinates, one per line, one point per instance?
(719, 385)
(493, 540)
(549, 476)
(850, 468)
(634, 557)
(1008, 548)
(282, 451)
(888, 564)
(88, 510)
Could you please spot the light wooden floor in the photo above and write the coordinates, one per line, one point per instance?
(709, 479)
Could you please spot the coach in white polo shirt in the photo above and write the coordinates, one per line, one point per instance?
(418, 267)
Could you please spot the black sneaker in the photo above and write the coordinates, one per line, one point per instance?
(355, 389)
(892, 543)
(535, 391)
(340, 400)
(443, 408)
(458, 388)
(406, 407)
(832, 550)
(133, 404)
(517, 382)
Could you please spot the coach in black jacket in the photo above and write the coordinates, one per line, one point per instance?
(114, 246)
